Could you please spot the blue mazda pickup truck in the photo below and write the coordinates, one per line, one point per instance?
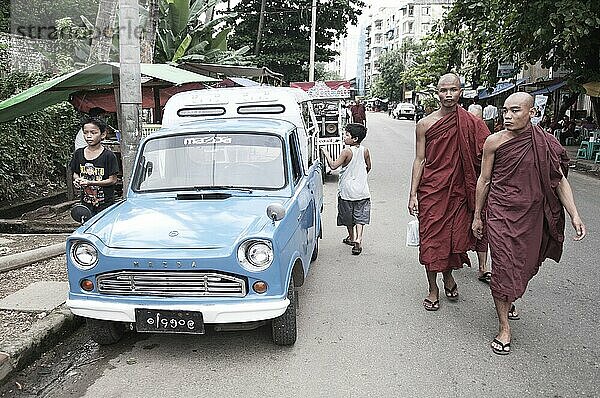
(221, 223)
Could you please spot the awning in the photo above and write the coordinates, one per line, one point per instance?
(469, 93)
(500, 88)
(90, 79)
(105, 99)
(592, 89)
(549, 89)
(263, 74)
(244, 82)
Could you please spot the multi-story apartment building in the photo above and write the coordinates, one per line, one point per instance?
(387, 28)
(382, 29)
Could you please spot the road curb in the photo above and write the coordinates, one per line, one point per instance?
(18, 260)
(23, 349)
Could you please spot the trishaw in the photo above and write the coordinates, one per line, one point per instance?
(329, 102)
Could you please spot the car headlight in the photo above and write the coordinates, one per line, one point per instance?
(255, 255)
(84, 255)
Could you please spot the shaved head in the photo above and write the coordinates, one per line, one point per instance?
(449, 78)
(518, 110)
(524, 99)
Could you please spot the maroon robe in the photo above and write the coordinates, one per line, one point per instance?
(359, 114)
(446, 193)
(525, 217)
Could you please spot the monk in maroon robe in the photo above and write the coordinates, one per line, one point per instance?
(523, 179)
(359, 114)
(447, 164)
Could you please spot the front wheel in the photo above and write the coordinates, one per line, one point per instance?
(283, 327)
(315, 252)
(105, 332)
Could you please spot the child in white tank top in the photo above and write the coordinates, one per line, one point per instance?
(354, 197)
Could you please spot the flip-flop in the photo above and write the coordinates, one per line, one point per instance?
(452, 294)
(347, 241)
(357, 249)
(431, 305)
(504, 350)
(486, 277)
(512, 313)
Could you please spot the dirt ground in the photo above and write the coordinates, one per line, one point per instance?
(17, 243)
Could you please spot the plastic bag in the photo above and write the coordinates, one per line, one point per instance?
(412, 233)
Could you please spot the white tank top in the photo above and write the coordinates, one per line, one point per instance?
(353, 177)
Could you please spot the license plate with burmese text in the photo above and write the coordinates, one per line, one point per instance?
(168, 321)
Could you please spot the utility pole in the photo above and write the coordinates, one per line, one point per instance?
(261, 22)
(130, 90)
(313, 30)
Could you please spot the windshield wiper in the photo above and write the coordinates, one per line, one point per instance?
(221, 188)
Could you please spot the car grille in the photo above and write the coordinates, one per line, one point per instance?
(169, 283)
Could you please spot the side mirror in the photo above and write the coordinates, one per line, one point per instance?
(275, 212)
(80, 213)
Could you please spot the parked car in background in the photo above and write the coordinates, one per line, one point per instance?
(404, 109)
(220, 225)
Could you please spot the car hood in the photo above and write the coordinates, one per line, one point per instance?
(182, 224)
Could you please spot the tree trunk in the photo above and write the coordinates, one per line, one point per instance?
(103, 35)
(592, 65)
(476, 76)
(149, 39)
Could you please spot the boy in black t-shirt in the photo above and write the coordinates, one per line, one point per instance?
(95, 168)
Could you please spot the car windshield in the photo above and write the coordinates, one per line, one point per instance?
(211, 161)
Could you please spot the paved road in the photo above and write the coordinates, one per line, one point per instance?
(362, 329)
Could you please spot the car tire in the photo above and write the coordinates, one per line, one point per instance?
(105, 332)
(283, 328)
(315, 252)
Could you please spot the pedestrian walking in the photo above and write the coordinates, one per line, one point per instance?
(523, 182)
(447, 161)
(359, 114)
(95, 168)
(475, 108)
(354, 197)
(490, 115)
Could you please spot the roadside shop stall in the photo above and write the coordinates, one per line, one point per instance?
(97, 86)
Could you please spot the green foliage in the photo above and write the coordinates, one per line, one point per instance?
(430, 104)
(559, 33)
(184, 36)
(4, 16)
(35, 148)
(436, 54)
(285, 43)
(394, 78)
(72, 46)
(322, 74)
(37, 17)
